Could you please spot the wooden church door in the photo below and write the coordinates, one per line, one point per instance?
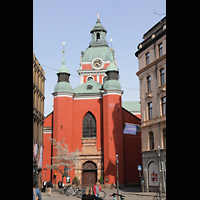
(89, 176)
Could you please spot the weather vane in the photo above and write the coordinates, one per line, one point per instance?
(63, 47)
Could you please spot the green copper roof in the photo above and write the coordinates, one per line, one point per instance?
(131, 106)
(89, 87)
(63, 87)
(98, 27)
(102, 52)
(112, 67)
(112, 85)
(63, 68)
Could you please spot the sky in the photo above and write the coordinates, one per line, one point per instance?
(58, 21)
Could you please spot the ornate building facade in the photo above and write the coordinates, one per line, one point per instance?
(38, 117)
(151, 56)
(92, 119)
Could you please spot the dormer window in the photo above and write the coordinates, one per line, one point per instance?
(89, 87)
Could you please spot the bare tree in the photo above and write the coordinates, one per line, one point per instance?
(63, 158)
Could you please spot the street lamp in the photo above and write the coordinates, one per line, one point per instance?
(159, 168)
(117, 176)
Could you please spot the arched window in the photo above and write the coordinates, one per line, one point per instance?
(98, 37)
(164, 138)
(151, 140)
(89, 125)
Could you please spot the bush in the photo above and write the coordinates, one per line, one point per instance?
(75, 181)
(101, 180)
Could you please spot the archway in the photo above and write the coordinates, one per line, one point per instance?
(89, 174)
(153, 174)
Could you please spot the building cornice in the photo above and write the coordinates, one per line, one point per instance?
(151, 64)
(63, 94)
(111, 92)
(147, 44)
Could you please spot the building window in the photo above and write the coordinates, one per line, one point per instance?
(163, 105)
(147, 59)
(150, 110)
(89, 125)
(98, 37)
(160, 48)
(148, 83)
(90, 78)
(164, 138)
(151, 140)
(162, 76)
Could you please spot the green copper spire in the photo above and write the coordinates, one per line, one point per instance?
(63, 68)
(63, 74)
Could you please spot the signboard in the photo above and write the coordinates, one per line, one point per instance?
(130, 129)
(139, 167)
(153, 174)
(40, 157)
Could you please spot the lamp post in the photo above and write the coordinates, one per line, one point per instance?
(117, 177)
(159, 169)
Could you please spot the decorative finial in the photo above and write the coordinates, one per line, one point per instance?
(63, 47)
(111, 43)
(98, 17)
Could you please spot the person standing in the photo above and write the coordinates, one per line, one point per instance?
(59, 184)
(49, 186)
(44, 186)
(89, 195)
(36, 192)
(97, 189)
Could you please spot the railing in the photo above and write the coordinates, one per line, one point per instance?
(99, 43)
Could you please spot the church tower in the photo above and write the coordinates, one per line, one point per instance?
(112, 120)
(96, 58)
(62, 110)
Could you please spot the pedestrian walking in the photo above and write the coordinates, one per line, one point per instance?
(89, 195)
(44, 185)
(36, 192)
(59, 184)
(49, 186)
(97, 189)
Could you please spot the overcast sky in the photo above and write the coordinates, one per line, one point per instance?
(55, 21)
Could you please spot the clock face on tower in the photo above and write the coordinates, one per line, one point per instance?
(97, 63)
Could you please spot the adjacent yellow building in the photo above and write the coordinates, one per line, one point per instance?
(38, 116)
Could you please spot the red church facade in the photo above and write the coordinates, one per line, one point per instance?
(91, 119)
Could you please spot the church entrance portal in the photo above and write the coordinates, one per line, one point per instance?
(89, 175)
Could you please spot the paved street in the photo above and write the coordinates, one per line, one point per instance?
(129, 193)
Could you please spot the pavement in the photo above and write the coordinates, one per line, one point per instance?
(130, 193)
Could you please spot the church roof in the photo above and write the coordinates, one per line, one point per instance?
(103, 52)
(131, 106)
(89, 87)
(63, 87)
(98, 27)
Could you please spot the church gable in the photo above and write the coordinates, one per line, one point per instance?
(89, 87)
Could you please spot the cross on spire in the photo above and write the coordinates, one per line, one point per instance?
(63, 47)
(98, 16)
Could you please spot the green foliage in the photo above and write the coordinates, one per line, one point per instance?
(101, 179)
(75, 181)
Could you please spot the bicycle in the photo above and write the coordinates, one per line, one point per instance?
(80, 193)
(102, 194)
(122, 197)
(158, 197)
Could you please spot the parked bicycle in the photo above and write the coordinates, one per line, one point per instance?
(102, 194)
(159, 197)
(114, 195)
